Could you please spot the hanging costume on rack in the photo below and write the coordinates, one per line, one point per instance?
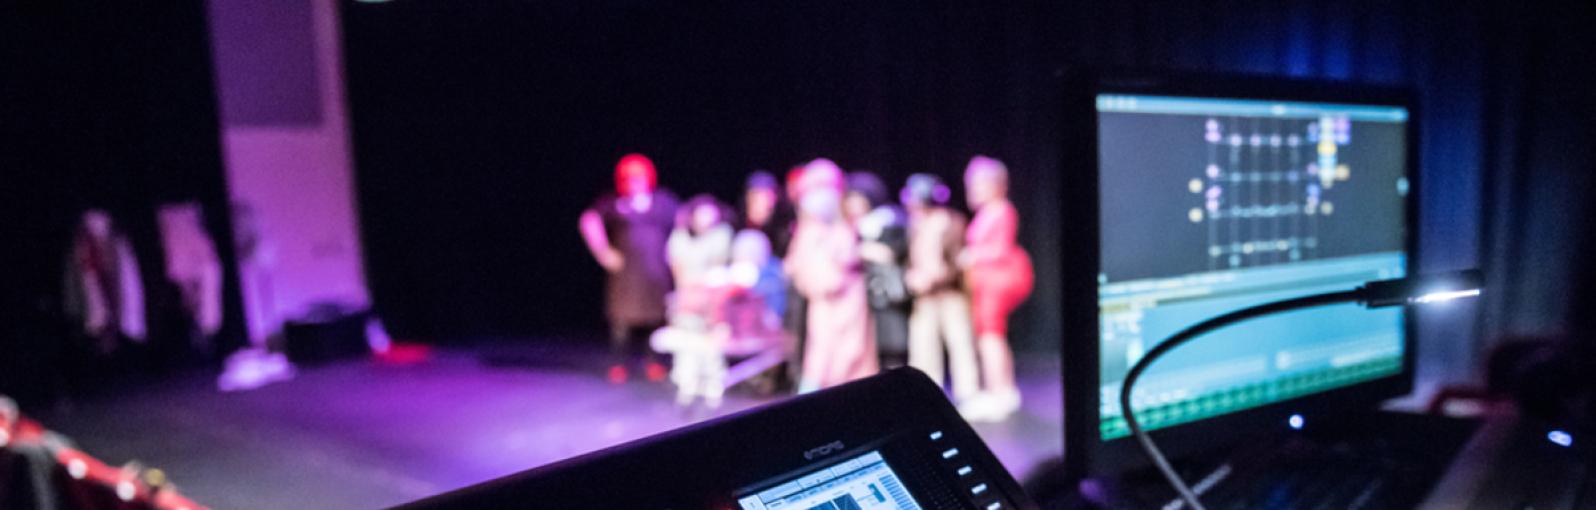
(103, 290)
(257, 258)
(193, 267)
(255, 364)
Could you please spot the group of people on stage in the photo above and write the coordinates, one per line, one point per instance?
(815, 281)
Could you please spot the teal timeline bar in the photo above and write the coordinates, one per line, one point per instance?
(1246, 107)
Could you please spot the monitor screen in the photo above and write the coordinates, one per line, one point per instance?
(1209, 205)
(865, 482)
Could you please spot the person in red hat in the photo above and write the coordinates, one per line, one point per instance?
(626, 233)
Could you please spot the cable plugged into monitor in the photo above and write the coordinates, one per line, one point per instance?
(1421, 290)
(1417, 290)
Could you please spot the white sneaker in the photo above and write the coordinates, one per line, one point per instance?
(990, 407)
(249, 369)
(1003, 404)
(976, 409)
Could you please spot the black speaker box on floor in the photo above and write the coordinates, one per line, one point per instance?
(327, 333)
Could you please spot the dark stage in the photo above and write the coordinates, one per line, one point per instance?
(194, 192)
(359, 434)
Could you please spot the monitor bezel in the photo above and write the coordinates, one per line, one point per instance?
(1086, 455)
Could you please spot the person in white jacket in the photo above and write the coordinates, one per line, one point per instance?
(699, 250)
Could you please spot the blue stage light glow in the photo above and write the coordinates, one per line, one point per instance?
(1561, 438)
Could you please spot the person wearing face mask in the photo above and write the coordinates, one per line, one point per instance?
(824, 264)
(998, 276)
(626, 233)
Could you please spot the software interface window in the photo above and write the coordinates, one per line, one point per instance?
(1252, 202)
(865, 482)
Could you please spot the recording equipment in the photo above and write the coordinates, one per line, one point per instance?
(889, 442)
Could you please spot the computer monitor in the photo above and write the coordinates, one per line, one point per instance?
(1208, 196)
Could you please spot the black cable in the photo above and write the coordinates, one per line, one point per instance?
(1185, 335)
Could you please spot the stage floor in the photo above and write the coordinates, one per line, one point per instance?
(360, 434)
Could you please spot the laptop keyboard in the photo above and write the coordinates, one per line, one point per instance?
(1299, 474)
(1303, 475)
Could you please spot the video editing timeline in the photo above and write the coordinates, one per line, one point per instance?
(1249, 364)
(1253, 201)
(865, 482)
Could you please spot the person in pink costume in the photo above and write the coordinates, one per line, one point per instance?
(824, 263)
(998, 277)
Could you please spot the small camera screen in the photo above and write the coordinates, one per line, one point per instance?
(865, 482)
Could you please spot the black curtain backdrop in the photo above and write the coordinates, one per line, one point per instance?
(1540, 160)
(482, 129)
